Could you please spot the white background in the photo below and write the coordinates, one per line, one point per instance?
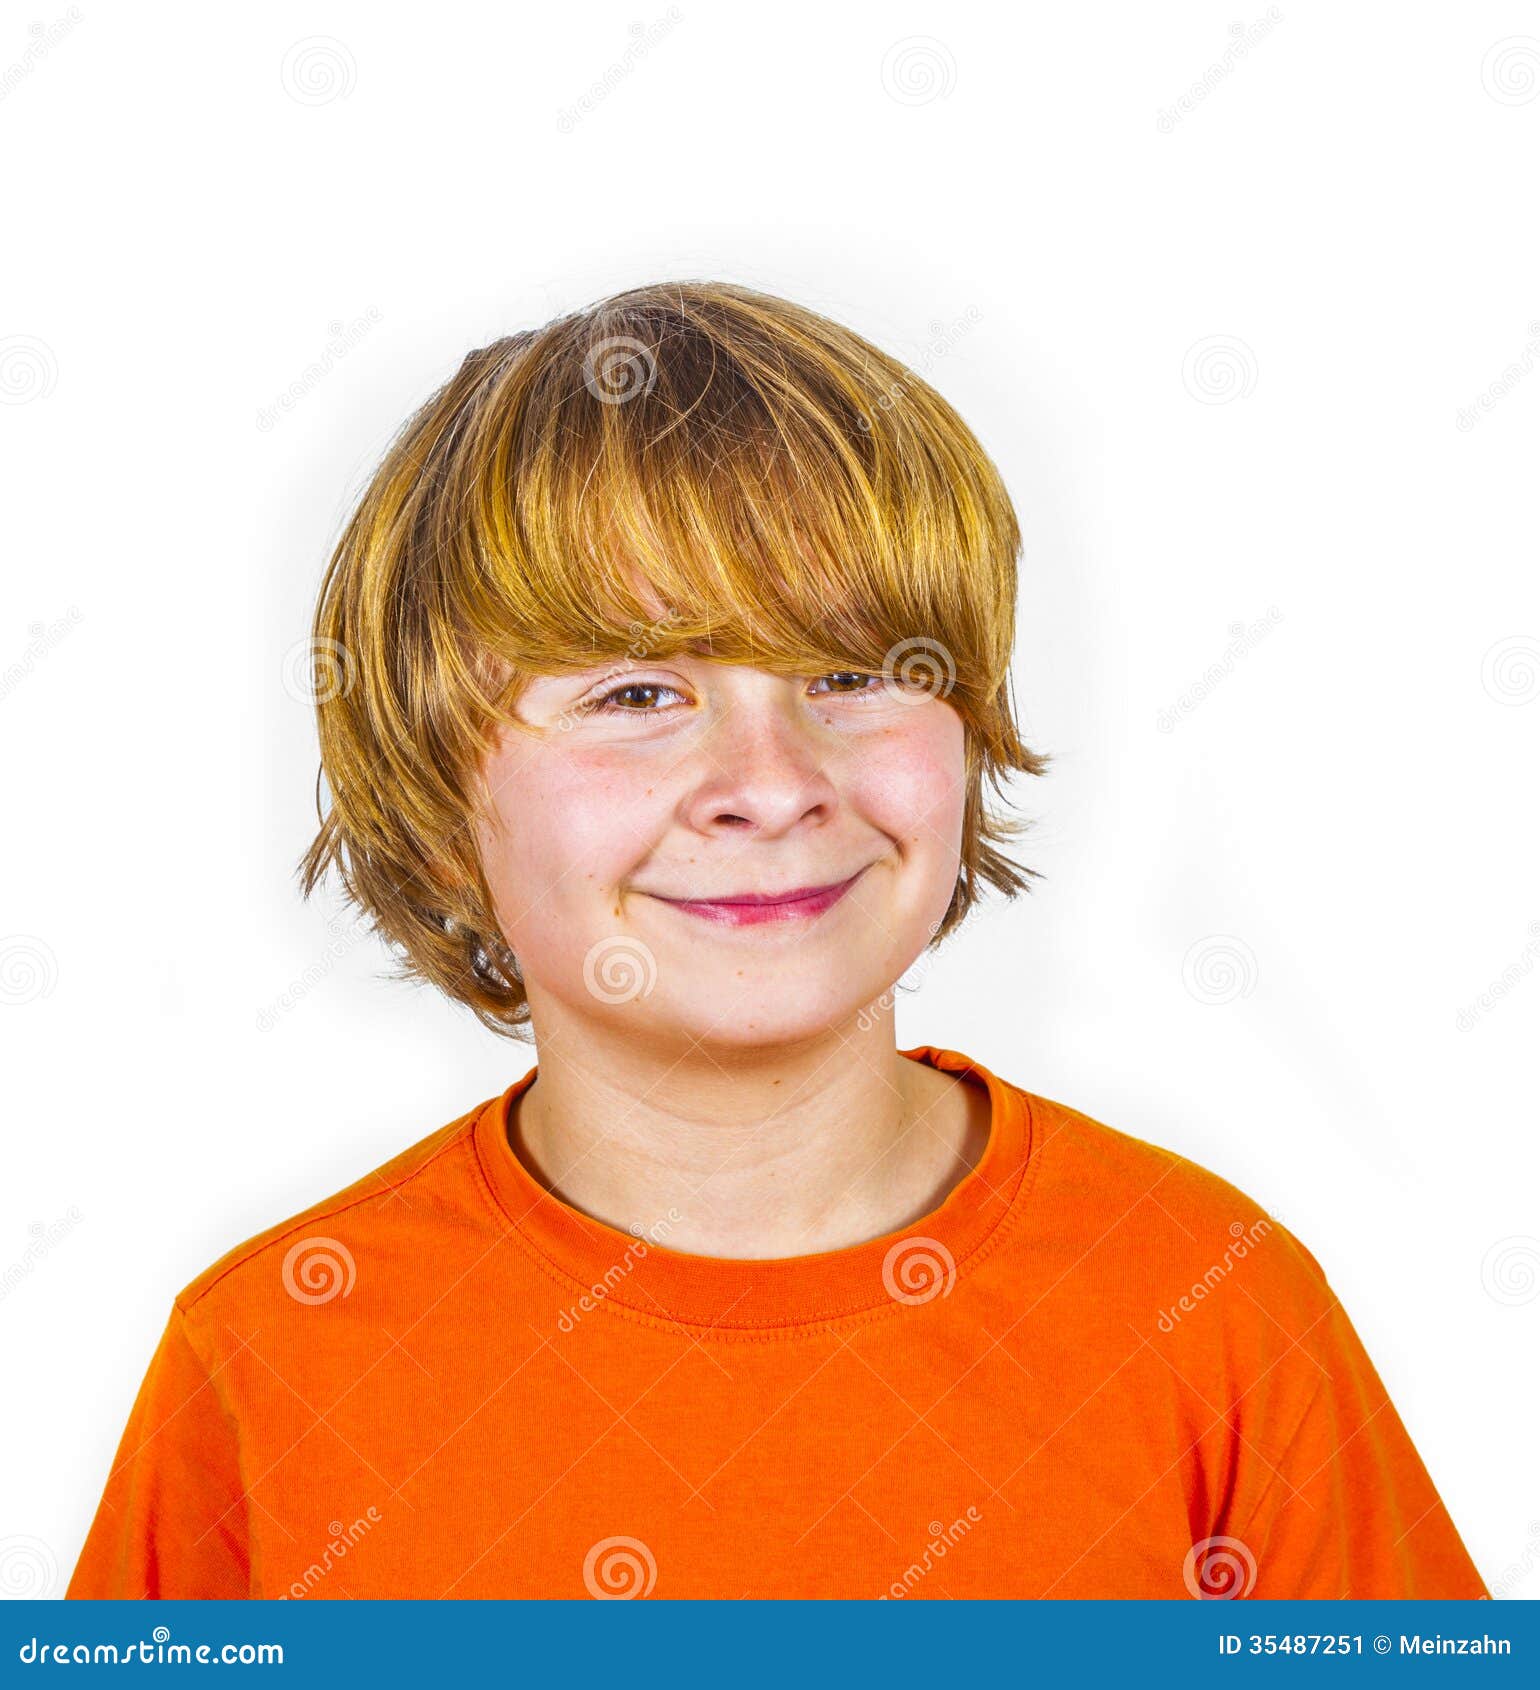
(1259, 926)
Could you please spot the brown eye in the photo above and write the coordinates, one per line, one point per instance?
(858, 676)
(606, 703)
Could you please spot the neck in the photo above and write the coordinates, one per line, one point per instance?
(784, 1151)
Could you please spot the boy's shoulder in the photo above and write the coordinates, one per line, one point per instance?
(1169, 1221)
(311, 1256)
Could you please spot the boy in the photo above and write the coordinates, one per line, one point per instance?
(674, 646)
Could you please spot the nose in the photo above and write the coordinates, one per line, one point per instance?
(763, 768)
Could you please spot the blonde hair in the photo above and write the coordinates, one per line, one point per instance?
(797, 499)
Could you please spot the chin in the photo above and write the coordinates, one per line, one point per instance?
(765, 1020)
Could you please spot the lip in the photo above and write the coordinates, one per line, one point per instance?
(750, 909)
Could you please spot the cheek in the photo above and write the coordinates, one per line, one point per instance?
(910, 781)
(565, 824)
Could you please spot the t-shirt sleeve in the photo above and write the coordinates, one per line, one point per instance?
(172, 1521)
(1350, 1510)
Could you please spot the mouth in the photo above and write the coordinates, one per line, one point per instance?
(751, 909)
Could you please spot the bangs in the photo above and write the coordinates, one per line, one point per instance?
(676, 474)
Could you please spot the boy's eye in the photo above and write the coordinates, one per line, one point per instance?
(860, 677)
(607, 702)
(640, 698)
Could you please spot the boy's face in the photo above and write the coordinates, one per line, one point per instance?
(617, 829)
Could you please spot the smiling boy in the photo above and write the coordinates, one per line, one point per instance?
(672, 646)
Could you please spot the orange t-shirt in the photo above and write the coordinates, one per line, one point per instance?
(1096, 1370)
